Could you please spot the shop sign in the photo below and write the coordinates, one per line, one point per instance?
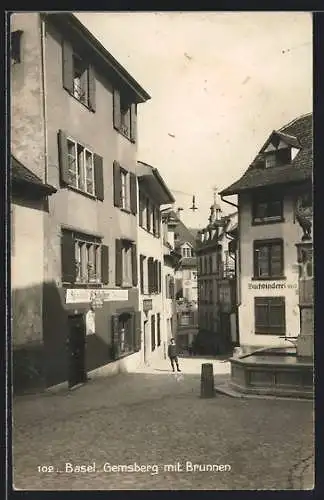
(94, 295)
(272, 286)
(147, 305)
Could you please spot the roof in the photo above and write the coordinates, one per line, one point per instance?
(194, 232)
(184, 234)
(23, 176)
(70, 24)
(297, 133)
(155, 183)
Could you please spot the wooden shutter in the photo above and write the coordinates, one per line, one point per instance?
(63, 158)
(134, 265)
(92, 88)
(150, 274)
(133, 193)
(117, 184)
(159, 277)
(98, 175)
(133, 132)
(115, 335)
(138, 331)
(158, 322)
(116, 112)
(104, 264)
(67, 56)
(167, 289)
(68, 257)
(119, 263)
(142, 273)
(153, 332)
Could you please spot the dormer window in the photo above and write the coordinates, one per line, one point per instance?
(270, 160)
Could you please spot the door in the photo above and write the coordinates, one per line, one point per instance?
(76, 350)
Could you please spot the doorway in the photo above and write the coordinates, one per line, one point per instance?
(76, 350)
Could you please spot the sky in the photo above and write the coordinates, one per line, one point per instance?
(220, 83)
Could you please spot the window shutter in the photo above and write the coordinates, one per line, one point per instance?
(140, 210)
(115, 335)
(98, 176)
(63, 158)
(159, 277)
(134, 265)
(150, 274)
(119, 263)
(104, 264)
(167, 289)
(142, 273)
(67, 66)
(117, 184)
(68, 257)
(133, 133)
(138, 331)
(133, 193)
(116, 106)
(92, 88)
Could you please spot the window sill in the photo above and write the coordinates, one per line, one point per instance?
(82, 285)
(125, 135)
(156, 235)
(268, 278)
(126, 210)
(266, 221)
(79, 100)
(276, 334)
(79, 191)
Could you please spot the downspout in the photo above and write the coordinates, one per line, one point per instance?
(44, 101)
(229, 202)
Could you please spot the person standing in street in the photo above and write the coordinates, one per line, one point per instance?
(173, 355)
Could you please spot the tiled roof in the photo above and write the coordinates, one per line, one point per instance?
(299, 131)
(184, 234)
(21, 174)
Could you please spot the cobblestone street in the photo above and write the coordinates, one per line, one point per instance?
(156, 418)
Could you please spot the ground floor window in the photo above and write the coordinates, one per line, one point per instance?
(126, 333)
(270, 315)
(153, 340)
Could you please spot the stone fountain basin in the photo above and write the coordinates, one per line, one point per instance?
(273, 371)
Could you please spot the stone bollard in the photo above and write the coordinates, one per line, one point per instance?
(207, 381)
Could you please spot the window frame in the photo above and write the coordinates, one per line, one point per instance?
(83, 174)
(127, 271)
(269, 244)
(124, 189)
(268, 200)
(84, 78)
(268, 303)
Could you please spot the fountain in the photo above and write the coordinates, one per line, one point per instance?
(284, 371)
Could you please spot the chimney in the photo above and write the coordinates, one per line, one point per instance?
(179, 210)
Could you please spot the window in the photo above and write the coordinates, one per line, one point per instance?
(268, 209)
(158, 321)
(269, 315)
(125, 115)
(153, 275)
(270, 160)
(148, 214)
(15, 46)
(80, 168)
(153, 341)
(84, 259)
(126, 263)
(125, 193)
(78, 76)
(126, 333)
(125, 189)
(169, 287)
(268, 259)
(80, 79)
(142, 210)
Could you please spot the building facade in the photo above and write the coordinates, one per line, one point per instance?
(153, 194)
(275, 242)
(65, 89)
(217, 284)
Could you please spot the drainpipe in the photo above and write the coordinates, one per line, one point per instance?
(229, 202)
(44, 101)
